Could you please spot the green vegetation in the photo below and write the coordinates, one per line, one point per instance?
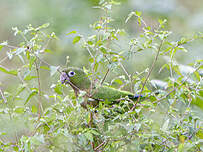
(38, 113)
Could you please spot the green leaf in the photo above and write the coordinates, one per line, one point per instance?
(94, 132)
(16, 31)
(34, 109)
(72, 32)
(57, 88)
(31, 61)
(138, 13)
(1, 47)
(29, 77)
(3, 44)
(47, 51)
(12, 72)
(76, 39)
(19, 110)
(42, 26)
(34, 92)
(103, 50)
(44, 67)
(20, 89)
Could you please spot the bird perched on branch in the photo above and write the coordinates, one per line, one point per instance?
(79, 80)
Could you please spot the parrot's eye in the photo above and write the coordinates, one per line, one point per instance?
(71, 73)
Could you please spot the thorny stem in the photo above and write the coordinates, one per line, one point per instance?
(148, 75)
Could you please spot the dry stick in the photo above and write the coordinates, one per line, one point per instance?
(149, 73)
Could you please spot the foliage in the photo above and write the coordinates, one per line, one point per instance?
(164, 121)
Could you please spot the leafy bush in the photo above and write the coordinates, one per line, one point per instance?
(39, 117)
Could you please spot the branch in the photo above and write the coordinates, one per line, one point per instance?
(39, 91)
(104, 143)
(174, 88)
(2, 94)
(149, 73)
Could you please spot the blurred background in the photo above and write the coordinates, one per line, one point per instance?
(185, 17)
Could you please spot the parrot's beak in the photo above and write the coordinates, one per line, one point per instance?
(64, 78)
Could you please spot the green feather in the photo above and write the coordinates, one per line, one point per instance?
(80, 81)
(110, 94)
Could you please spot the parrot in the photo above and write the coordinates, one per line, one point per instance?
(79, 80)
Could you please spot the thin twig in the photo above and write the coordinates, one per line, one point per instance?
(102, 144)
(105, 76)
(3, 59)
(174, 88)
(2, 94)
(129, 76)
(148, 75)
(39, 91)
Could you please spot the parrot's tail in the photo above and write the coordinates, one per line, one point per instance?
(134, 97)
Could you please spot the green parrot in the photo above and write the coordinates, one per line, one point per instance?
(78, 80)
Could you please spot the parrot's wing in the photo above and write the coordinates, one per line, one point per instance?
(110, 94)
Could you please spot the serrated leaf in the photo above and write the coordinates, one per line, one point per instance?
(76, 39)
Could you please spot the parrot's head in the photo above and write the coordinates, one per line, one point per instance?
(76, 78)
